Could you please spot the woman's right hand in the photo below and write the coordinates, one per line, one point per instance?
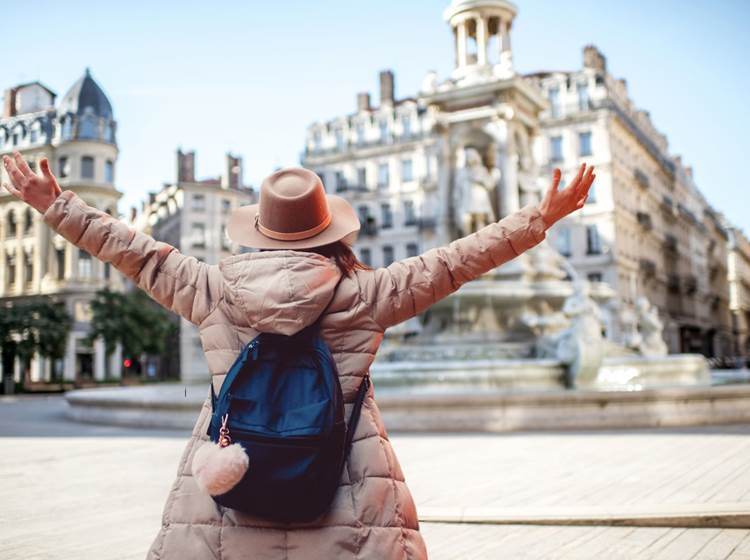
(38, 192)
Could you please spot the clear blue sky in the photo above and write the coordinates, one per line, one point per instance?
(248, 77)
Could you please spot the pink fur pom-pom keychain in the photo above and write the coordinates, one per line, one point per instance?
(218, 467)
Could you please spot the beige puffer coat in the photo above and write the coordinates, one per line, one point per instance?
(373, 516)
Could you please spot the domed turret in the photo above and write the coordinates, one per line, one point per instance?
(86, 113)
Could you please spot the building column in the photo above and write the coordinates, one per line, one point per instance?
(99, 357)
(69, 364)
(481, 41)
(461, 44)
(115, 364)
(506, 55)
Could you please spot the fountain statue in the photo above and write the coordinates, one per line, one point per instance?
(650, 328)
(472, 194)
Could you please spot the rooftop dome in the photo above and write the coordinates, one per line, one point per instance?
(86, 93)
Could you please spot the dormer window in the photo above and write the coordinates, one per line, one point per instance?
(67, 128)
(88, 126)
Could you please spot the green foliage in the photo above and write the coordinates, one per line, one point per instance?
(131, 319)
(41, 326)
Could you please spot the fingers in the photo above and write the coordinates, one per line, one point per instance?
(556, 179)
(23, 167)
(12, 190)
(577, 179)
(16, 177)
(44, 165)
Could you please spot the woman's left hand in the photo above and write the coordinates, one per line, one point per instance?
(558, 204)
(38, 192)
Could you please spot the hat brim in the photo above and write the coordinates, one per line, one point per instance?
(344, 226)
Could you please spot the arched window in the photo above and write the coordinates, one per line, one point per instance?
(28, 222)
(60, 258)
(11, 224)
(28, 267)
(84, 264)
(67, 128)
(10, 269)
(88, 127)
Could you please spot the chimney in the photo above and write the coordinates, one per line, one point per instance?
(232, 178)
(363, 101)
(386, 87)
(593, 58)
(9, 103)
(185, 166)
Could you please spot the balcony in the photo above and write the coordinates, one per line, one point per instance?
(644, 219)
(641, 179)
(667, 206)
(647, 267)
(347, 188)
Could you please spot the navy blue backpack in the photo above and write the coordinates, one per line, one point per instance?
(282, 402)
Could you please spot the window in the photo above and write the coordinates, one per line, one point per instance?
(226, 206)
(67, 128)
(109, 171)
(87, 127)
(10, 267)
(383, 178)
(60, 259)
(592, 194)
(594, 276)
(383, 124)
(11, 228)
(199, 202)
(107, 271)
(63, 167)
(34, 134)
(109, 134)
(387, 255)
(28, 268)
(410, 217)
(198, 235)
(340, 139)
(412, 250)
(583, 96)
(87, 167)
(554, 101)
(563, 242)
(387, 214)
(555, 148)
(406, 171)
(593, 243)
(28, 222)
(362, 177)
(365, 256)
(340, 181)
(584, 143)
(84, 264)
(406, 124)
(360, 133)
(317, 139)
(363, 212)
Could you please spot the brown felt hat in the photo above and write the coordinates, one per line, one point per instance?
(294, 212)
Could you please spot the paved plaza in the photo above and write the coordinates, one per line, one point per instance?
(73, 491)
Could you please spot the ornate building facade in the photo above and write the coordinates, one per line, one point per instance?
(78, 136)
(645, 231)
(191, 215)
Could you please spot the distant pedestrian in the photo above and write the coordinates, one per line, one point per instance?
(307, 269)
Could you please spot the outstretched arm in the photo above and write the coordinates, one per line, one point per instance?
(408, 287)
(178, 282)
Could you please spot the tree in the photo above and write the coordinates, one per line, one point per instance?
(39, 326)
(131, 319)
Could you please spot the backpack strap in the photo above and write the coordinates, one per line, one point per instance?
(354, 418)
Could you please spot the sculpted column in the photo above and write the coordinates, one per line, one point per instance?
(481, 41)
(461, 46)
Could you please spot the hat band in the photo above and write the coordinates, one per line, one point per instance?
(294, 235)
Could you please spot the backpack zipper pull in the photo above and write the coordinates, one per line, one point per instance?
(224, 439)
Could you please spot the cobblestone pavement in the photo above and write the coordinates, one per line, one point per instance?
(72, 491)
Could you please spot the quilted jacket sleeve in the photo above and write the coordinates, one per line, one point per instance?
(180, 283)
(408, 287)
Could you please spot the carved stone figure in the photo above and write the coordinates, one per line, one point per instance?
(530, 184)
(650, 328)
(581, 346)
(472, 193)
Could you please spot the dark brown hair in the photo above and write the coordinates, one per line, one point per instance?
(345, 258)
